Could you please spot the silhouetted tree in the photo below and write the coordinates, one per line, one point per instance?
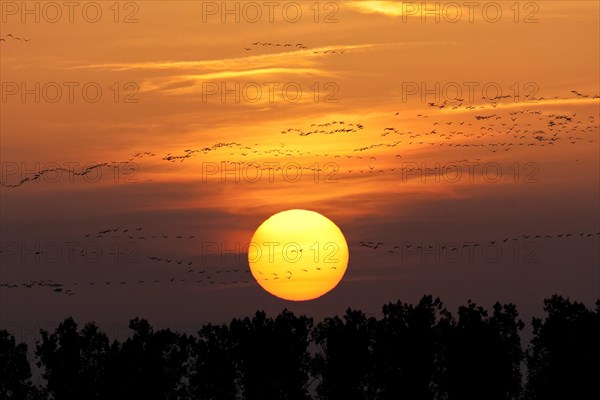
(344, 361)
(405, 349)
(415, 352)
(152, 365)
(506, 324)
(15, 372)
(564, 356)
(212, 373)
(272, 355)
(75, 363)
(482, 354)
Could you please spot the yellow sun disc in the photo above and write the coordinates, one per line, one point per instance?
(298, 255)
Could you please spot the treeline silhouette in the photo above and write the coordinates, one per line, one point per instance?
(413, 352)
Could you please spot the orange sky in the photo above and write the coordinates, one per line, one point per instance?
(170, 57)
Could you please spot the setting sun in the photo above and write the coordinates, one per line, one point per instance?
(298, 255)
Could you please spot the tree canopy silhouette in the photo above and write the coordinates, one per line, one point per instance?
(416, 352)
(406, 347)
(75, 363)
(563, 360)
(344, 360)
(482, 354)
(272, 355)
(212, 373)
(15, 372)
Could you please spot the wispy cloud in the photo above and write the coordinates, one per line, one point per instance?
(253, 61)
(521, 104)
(406, 9)
(188, 84)
(389, 8)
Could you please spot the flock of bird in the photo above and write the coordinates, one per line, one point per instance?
(123, 168)
(576, 93)
(297, 46)
(188, 153)
(491, 126)
(334, 51)
(300, 46)
(68, 289)
(133, 233)
(503, 131)
(476, 243)
(54, 286)
(494, 131)
(230, 276)
(10, 36)
(346, 129)
(238, 275)
(220, 276)
(514, 130)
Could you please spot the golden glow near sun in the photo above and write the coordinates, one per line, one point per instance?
(298, 255)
